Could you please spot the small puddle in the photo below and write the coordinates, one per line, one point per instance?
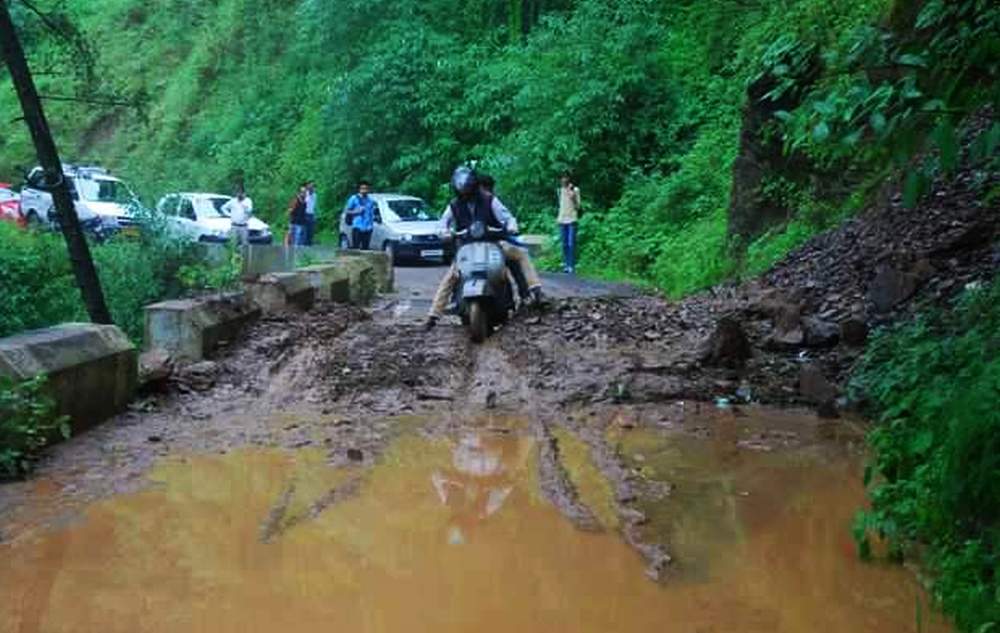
(454, 535)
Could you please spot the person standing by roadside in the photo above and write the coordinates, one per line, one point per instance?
(361, 211)
(239, 209)
(569, 215)
(310, 212)
(297, 217)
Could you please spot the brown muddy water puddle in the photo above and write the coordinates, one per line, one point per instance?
(454, 535)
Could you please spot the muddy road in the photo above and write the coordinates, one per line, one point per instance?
(344, 469)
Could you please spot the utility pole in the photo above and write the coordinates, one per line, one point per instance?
(48, 157)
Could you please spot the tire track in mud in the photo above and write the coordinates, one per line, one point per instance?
(493, 373)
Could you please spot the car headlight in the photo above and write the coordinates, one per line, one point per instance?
(406, 238)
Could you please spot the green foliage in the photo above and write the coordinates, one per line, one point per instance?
(38, 286)
(935, 475)
(39, 289)
(217, 275)
(899, 92)
(28, 421)
(641, 100)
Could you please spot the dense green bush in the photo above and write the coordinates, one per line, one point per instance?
(38, 286)
(39, 289)
(28, 421)
(935, 476)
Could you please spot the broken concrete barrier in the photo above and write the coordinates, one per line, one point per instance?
(331, 282)
(190, 329)
(380, 262)
(264, 259)
(277, 292)
(363, 279)
(92, 369)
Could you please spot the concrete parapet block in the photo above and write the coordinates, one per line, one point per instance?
(382, 265)
(331, 282)
(264, 259)
(190, 329)
(364, 284)
(277, 292)
(536, 244)
(92, 369)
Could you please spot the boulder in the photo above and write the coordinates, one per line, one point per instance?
(890, 287)
(815, 388)
(155, 366)
(854, 331)
(727, 346)
(820, 333)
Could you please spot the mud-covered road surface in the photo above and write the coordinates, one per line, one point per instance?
(342, 469)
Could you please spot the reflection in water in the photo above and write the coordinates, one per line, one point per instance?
(454, 536)
(478, 482)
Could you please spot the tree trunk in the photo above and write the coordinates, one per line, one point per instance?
(515, 19)
(48, 157)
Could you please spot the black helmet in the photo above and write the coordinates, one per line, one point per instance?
(464, 181)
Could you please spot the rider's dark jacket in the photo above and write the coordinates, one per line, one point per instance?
(479, 208)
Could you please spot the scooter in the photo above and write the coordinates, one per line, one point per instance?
(484, 295)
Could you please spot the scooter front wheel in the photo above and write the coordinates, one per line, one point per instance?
(479, 322)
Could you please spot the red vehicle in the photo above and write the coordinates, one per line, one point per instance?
(10, 206)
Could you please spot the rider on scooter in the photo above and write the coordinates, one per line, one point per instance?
(472, 204)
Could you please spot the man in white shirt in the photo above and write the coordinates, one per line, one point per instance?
(310, 212)
(239, 208)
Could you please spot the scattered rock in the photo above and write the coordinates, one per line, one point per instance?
(434, 393)
(727, 346)
(890, 287)
(355, 455)
(814, 386)
(820, 333)
(155, 366)
(854, 331)
(199, 376)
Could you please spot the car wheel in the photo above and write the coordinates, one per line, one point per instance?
(32, 220)
(345, 244)
(390, 249)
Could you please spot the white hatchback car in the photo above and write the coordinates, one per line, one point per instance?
(200, 218)
(405, 228)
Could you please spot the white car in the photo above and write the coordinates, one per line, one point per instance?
(100, 199)
(200, 218)
(405, 228)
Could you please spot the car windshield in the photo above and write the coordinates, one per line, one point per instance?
(411, 210)
(100, 190)
(210, 207)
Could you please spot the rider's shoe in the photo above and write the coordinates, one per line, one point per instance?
(430, 323)
(537, 298)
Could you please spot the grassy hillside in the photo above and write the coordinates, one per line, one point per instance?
(641, 100)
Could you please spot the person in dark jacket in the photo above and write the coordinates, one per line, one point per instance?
(297, 220)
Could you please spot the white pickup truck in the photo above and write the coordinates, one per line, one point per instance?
(102, 201)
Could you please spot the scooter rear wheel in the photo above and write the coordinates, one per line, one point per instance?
(479, 322)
